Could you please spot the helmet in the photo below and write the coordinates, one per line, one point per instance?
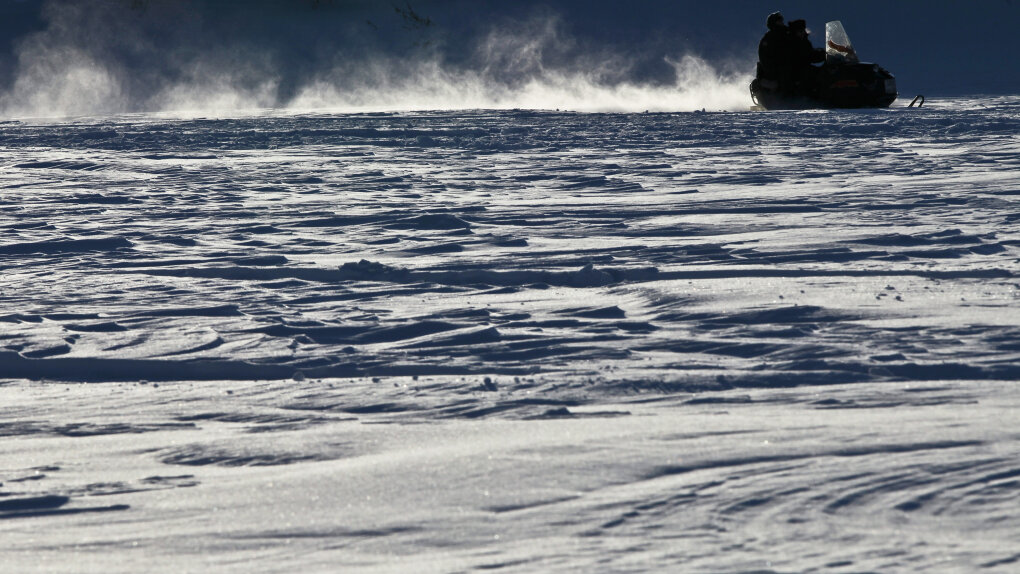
(775, 20)
(798, 25)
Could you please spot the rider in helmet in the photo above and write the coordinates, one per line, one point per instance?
(775, 56)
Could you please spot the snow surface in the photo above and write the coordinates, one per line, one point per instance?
(525, 340)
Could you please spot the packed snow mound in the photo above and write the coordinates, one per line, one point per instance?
(587, 276)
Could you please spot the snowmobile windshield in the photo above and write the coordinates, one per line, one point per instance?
(838, 48)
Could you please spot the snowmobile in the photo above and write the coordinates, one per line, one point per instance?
(842, 81)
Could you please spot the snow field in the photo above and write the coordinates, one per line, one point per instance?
(537, 340)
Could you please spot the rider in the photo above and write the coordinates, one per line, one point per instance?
(803, 54)
(775, 56)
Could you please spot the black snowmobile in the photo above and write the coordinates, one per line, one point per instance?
(841, 82)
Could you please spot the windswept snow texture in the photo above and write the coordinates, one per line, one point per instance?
(705, 342)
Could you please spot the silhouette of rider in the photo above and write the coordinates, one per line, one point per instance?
(803, 54)
(775, 56)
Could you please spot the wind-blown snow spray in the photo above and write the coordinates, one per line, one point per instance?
(93, 58)
(429, 85)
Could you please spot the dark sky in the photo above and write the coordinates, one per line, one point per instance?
(936, 47)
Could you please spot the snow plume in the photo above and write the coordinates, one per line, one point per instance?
(530, 65)
(429, 85)
(100, 57)
(59, 74)
(108, 56)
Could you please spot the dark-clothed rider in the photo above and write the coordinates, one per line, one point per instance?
(775, 55)
(803, 54)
